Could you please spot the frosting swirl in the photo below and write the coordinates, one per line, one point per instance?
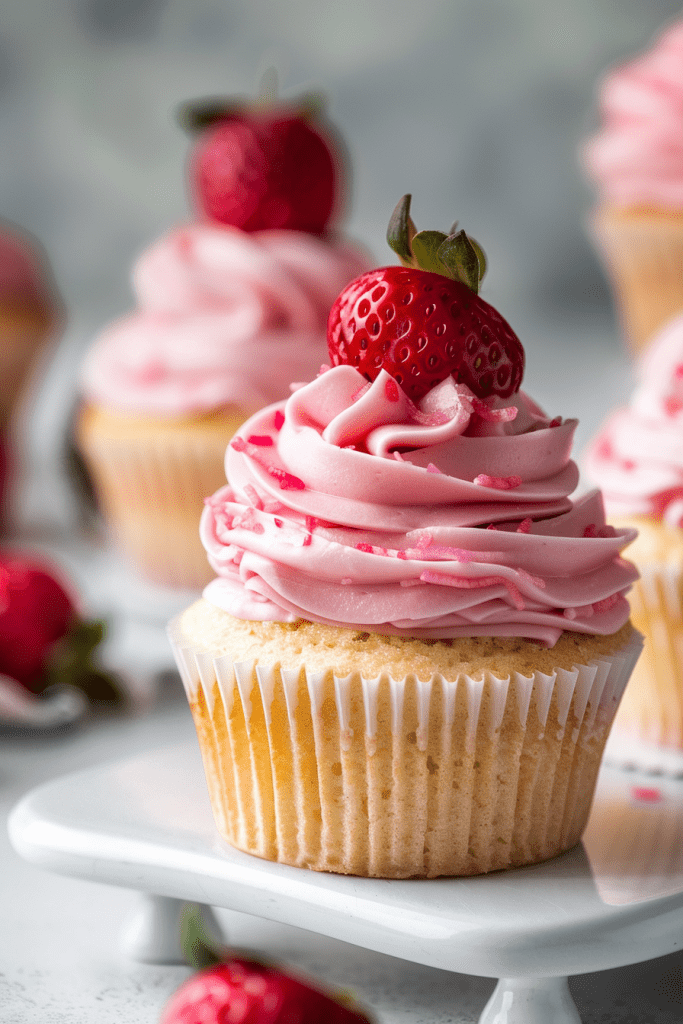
(224, 317)
(638, 453)
(637, 158)
(351, 506)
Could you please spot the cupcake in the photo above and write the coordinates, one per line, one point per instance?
(28, 313)
(229, 309)
(410, 657)
(636, 161)
(638, 458)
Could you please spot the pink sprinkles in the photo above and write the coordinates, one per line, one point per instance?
(287, 481)
(262, 440)
(391, 390)
(474, 583)
(646, 794)
(500, 483)
(278, 419)
(484, 412)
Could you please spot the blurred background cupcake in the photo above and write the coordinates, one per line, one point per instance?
(637, 458)
(231, 307)
(30, 315)
(636, 161)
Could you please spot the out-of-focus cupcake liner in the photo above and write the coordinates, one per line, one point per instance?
(643, 255)
(400, 778)
(151, 490)
(23, 333)
(648, 729)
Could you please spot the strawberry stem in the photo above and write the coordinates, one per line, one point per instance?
(198, 947)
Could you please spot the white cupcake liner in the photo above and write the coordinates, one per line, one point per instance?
(151, 489)
(399, 778)
(643, 254)
(648, 729)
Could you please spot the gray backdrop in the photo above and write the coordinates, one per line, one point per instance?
(476, 108)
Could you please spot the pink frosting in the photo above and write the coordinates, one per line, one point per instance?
(349, 505)
(224, 317)
(637, 158)
(638, 454)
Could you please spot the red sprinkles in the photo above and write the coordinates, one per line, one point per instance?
(391, 390)
(500, 483)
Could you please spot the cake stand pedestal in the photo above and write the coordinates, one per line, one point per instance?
(145, 823)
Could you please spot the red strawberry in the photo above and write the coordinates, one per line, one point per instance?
(35, 612)
(264, 165)
(241, 990)
(244, 992)
(424, 321)
(42, 641)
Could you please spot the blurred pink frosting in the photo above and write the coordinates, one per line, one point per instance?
(637, 456)
(224, 317)
(637, 158)
(349, 505)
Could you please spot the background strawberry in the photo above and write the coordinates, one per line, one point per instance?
(237, 989)
(42, 639)
(424, 321)
(266, 164)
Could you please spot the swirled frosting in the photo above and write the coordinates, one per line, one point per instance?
(638, 453)
(351, 506)
(224, 317)
(637, 157)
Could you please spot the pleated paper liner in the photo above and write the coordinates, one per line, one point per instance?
(151, 477)
(648, 729)
(400, 778)
(643, 254)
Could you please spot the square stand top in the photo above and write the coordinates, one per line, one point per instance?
(145, 823)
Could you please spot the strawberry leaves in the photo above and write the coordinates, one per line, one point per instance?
(456, 256)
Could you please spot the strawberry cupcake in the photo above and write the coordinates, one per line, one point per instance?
(415, 644)
(638, 458)
(230, 308)
(636, 161)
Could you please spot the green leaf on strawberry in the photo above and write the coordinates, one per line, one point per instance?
(456, 256)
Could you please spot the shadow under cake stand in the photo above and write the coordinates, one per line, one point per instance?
(614, 900)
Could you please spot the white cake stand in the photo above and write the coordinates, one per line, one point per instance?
(145, 823)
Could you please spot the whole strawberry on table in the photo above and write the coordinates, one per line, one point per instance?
(44, 642)
(238, 987)
(424, 321)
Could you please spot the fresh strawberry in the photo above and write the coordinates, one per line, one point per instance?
(424, 321)
(245, 992)
(35, 612)
(42, 639)
(242, 990)
(263, 165)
